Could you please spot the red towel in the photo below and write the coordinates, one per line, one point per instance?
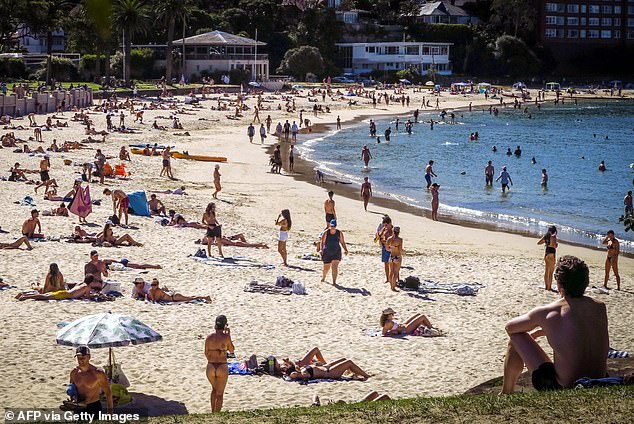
(81, 205)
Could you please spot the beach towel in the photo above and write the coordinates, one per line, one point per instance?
(461, 289)
(421, 331)
(233, 262)
(138, 203)
(27, 201)
(193, 302)
(617, 354)
(8, 287)
(328, 380)
(238, 368)
(257, 287)
(81, 204)
(588, 383)
(310, 257)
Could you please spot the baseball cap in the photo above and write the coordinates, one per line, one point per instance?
(82, 351)
(388, 311)
(333, 222)
(124, 261)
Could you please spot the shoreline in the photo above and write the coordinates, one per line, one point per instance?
(305, 172)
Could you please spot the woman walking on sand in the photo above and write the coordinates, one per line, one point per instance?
(284, 221)
(217, 181)
(550, 240)
(330, 249)
(217, 345)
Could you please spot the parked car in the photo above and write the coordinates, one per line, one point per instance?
(343, 80)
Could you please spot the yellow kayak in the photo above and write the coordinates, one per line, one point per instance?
(136, 151)
(179, 155)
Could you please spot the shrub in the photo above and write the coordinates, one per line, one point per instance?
(141, 63)
(62, 69)
(12, 67)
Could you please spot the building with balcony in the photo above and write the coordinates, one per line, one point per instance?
(364, 58)
(218, 51)
(38, 43)
(443, 12)
(586, 23)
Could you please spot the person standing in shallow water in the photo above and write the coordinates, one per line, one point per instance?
(366, 192)
(550, 240)
(506, 178)
(217, 345)
(489, 172)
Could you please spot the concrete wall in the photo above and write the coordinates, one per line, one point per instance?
(46, 102)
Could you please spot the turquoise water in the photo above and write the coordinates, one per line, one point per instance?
(568, 140)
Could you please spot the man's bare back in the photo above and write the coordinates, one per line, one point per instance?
(329, 206)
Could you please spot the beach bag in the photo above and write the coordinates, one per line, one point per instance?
(270, 366)
(411, 283)
(298, 288)
(200, 253)
(283, 282)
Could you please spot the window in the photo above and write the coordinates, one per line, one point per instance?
(573, 21)
(582, 33)
(551, 33)
(582, 21)
(606, 33)
(617, 22)
(616, 34)
(551, 20)
(606, 9)
(594, 8)
(412, 50)
(573, 33)
(593, 33)
(593, 21)
(630, 35)
(573, 8)
(391, 50)
(370, 49)
(551, 7)
(606, 21)
(630, 22)
(617, 10)
(583, 8)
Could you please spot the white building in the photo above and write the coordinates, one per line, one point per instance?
(37, 43)
(220, 51)
(363, 58)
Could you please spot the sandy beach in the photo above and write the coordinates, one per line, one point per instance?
(35, 370)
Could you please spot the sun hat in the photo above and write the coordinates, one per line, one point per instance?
(139, 280)
(388, 311)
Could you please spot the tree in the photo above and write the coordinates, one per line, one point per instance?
(302, 60)
(515, 58)
(133, 16)
(9, 22)
(514, 15)
(45, 17)
(172, 11)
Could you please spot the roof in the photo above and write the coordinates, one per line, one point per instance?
(218, 38)
(441, 8)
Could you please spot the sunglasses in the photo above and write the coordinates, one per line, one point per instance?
(154, 284)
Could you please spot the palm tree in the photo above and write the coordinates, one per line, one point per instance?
(133, 16)
(172, 11)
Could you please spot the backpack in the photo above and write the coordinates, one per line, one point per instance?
(115, 220)
(412, 283)
(200, 253)
(270, 366)
(283, 282)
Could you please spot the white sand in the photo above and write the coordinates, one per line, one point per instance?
(35, 370)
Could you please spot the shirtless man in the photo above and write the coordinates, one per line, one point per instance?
(120, 202)
(489, 172)
(385, 232)
(96, 267)
(31, 224)
(101, 163)
(216, 181)
(124, 154)
(429, 172)
(156, 206)
(366, 155)
(394, 245)
(612, 260)
(366, 192)
(329, 208)
(156, 294)
(17, 244)
(167, 167)
(627, 203)
(576, 327)
(45, 166)
(90, 382)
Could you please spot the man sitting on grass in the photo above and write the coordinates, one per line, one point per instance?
(576, 327)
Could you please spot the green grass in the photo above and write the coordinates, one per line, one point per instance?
(141, 85)
(607, 405)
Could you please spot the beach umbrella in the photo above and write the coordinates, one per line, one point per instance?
(405, 81)
(106, 330)
(255, 84)
(429, 83)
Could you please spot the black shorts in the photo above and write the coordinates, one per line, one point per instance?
(93, 409)
(328, 257)
(489, 179)
(44, 176)
(214, 231)
(545, 377)
(329, 217)
(166, 163)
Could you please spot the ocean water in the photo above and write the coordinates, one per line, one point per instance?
(568, 140)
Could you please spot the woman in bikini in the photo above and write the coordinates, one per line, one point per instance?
(156, 294)
(284, 221)
(331, 371)
(390, 327)
(214, 230)
(217, 345)
(313, 357)
(107, 236)
(550, 240)
(54, 280)
(394, 245)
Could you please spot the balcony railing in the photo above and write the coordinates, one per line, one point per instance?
(203, 56)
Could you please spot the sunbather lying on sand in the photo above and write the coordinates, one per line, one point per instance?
(129, 264)
(238, 240)
(177, 220)
(390, 327)
(3, 284)
(373, 396)
(332, 370)
(107, 237)
(88, 289)
(17, 244)
(313, 357)
(156, 294)
(62, 210)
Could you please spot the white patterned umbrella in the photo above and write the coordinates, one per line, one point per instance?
(106, 330)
